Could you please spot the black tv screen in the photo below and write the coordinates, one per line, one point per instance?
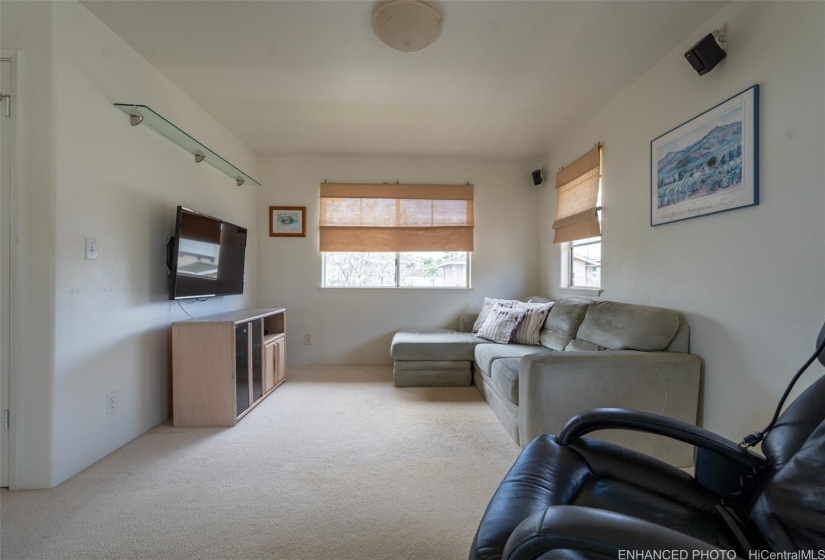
(207, 256)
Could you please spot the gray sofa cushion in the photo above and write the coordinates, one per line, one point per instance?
(416, 365)
(563, 322)
(466, 322)
(505, 377)
(456, 373)
(486, 354)
(433, 345)
(624, 326)
(553, 340)
(579, 345)
(681, 341)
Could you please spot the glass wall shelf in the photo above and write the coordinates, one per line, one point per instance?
(143, 114)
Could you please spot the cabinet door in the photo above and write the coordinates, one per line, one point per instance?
(280, 359)
(242, 367)
(257, 369)
(269, 366)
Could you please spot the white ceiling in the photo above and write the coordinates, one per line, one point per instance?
(310, 77)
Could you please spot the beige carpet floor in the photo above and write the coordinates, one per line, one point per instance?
(336, 464)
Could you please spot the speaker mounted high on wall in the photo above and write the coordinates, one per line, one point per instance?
(707, 53)
(538, 177)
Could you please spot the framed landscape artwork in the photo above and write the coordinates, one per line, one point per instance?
(287, 221)
(709, 164)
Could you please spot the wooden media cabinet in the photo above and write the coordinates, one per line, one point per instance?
(224, 365)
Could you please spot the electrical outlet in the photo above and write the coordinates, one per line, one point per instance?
(111, 402)
(307, 339)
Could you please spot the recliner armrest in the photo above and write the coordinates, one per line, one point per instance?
(618, 418)
(592, 530)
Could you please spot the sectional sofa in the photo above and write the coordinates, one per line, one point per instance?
(589, 354)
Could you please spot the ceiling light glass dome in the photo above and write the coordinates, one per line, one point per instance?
(407, 25)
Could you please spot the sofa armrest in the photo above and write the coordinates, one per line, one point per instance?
(593, 530)
(466, 322)
(556, 386)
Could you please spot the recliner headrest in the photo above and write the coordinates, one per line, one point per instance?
(790, 507)
(795, 425)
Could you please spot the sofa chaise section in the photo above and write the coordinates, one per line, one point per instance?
(433, 357)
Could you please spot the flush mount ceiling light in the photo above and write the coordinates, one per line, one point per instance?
(407, 25)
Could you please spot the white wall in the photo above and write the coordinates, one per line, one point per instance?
(120, 185)
(356, 326)
(751, 281)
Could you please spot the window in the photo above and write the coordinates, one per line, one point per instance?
(578, 221)
(441, 269)
(585, 263)
(396, 235)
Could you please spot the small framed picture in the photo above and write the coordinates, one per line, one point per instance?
(709, 164)
(287, 221)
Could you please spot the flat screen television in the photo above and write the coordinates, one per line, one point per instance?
(206, 256)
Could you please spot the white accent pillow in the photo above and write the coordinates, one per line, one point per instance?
(529, 328)
(501, 323)
(487, 306)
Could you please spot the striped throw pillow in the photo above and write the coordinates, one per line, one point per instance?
(501, 323)
(487, 306)
(529, 328)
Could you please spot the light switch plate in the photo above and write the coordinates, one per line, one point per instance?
(91, 249)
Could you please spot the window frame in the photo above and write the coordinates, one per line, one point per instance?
(467, 286)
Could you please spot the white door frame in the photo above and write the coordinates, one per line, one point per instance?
(10, 462)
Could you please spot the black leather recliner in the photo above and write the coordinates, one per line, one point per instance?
(574, 497)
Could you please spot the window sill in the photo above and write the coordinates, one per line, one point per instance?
(570, 291)
(376, 289)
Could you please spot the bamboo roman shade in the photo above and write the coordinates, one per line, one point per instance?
(395, 218)
(578, 192)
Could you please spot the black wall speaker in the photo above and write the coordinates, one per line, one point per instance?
(705, 55)
(538, 179)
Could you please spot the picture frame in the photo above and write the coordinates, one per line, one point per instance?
(709, 164)
(287, 221)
